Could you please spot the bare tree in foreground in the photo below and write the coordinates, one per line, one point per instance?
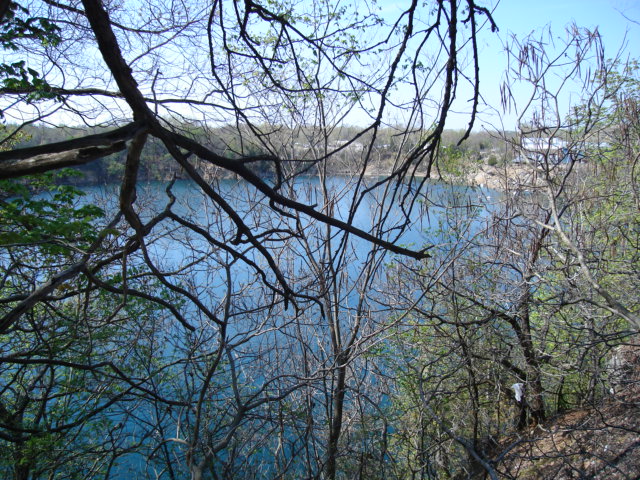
(536, 289)
(210, 387)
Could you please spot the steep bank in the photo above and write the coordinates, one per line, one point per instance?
(597, 442)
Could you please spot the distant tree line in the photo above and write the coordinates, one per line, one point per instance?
(157, 164)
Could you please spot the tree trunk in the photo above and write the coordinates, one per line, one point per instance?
(335, 427)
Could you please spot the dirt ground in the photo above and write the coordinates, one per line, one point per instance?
(602, 442)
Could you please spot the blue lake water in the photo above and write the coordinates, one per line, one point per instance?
(266, 341)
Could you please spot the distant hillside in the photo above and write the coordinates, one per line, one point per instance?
(300, 147)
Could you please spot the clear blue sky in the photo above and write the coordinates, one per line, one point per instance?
(523, 17)
(617, 21)
(608, 15)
